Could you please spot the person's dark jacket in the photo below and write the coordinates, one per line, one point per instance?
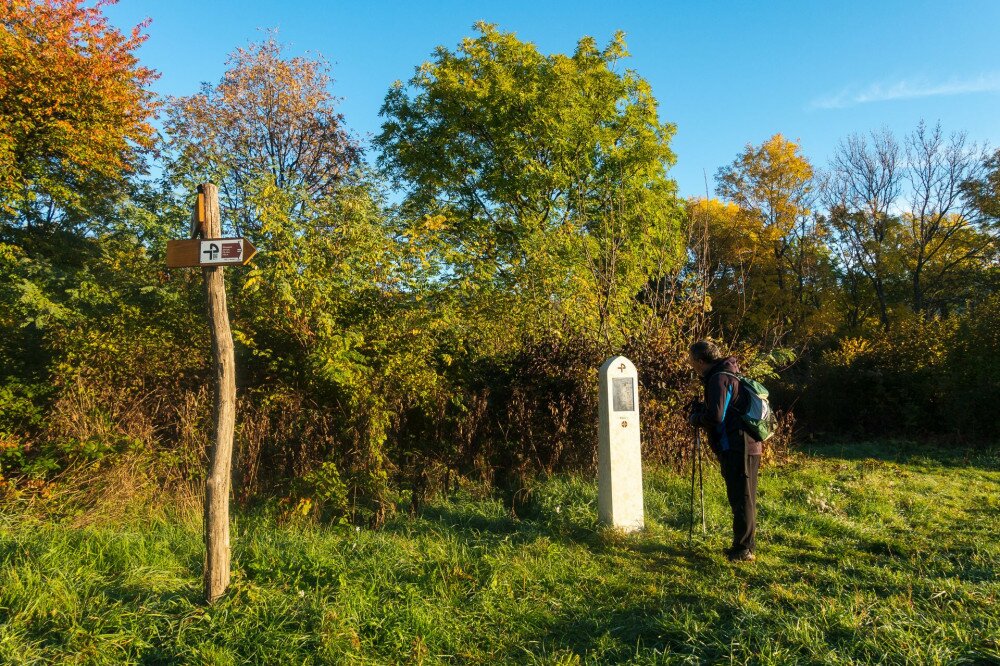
(724, 402)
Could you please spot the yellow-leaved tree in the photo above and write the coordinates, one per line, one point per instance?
(768, 261)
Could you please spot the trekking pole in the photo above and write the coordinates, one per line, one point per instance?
(701, 481)
(694, 452)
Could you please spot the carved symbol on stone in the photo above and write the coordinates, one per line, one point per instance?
(621, 367)
(624, 424)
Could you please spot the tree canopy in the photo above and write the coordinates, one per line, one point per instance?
(270, 121)
(547, 173)
(75, 109)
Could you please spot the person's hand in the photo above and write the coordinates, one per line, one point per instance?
(695, 409)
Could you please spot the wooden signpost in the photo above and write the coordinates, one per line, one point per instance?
(212, 254)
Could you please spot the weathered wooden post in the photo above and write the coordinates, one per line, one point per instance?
(212, 253)
(220, 459)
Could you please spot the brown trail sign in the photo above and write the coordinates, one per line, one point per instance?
(209, 252)
(212, 254)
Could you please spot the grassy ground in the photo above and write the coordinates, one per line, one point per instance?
(867, 554)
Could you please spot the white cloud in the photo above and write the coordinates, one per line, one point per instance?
(908, 89)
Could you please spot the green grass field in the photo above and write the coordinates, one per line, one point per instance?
(867, 554)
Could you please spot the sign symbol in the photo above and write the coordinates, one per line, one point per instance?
(621, 367)
(232, 250)
(212, 252)
(624, 424)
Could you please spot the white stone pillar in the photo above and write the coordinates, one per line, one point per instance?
(619, 458)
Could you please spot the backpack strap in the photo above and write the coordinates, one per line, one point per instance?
(729, 395)
(740, 381)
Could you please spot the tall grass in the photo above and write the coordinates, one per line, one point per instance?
(868, 554)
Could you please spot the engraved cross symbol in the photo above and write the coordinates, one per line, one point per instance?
(621, 367)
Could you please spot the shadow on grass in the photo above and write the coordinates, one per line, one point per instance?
(651, 626)
(466, 524)
(461, 519)
(660, 554)
(190, 594)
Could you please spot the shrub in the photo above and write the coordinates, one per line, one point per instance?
(925, 377)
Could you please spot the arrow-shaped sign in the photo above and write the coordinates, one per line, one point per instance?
(209, 252)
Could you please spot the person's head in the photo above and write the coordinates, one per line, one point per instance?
(702, 355)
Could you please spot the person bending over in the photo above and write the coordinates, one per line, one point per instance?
(738, 454)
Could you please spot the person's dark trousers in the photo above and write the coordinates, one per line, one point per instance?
(740, 474)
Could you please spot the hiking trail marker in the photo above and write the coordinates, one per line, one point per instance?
(619, 457)
(212, 254)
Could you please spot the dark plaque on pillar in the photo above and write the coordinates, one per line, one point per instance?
(622, 391)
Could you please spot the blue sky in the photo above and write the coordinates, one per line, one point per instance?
(726, 73)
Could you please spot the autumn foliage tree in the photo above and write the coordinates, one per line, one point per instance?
(75, 109)
(270, 121)
(766, 246)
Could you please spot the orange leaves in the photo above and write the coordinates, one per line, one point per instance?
(270, 122)
(74, 101)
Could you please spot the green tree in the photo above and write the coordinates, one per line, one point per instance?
(547, 175)
(290, 178)
(336, 338)
(983, 191)
(984, 188)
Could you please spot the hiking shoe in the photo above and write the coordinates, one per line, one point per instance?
(741, 555)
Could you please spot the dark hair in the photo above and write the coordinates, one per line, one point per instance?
(706, 351)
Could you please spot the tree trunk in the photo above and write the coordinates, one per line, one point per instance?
(918, 291)
(217, 486)
(882, 306)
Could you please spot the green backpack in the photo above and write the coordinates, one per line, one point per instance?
(758, 420)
